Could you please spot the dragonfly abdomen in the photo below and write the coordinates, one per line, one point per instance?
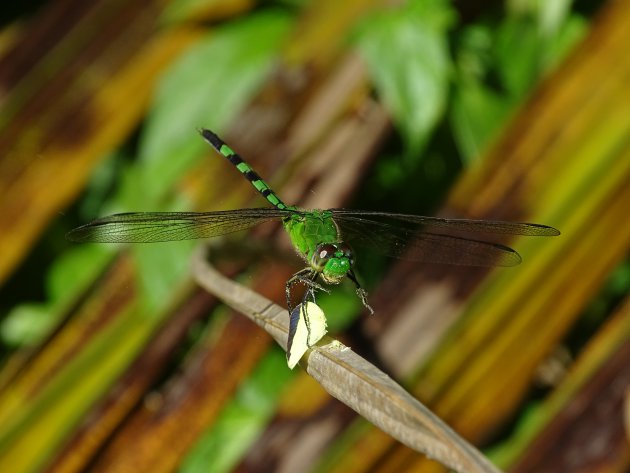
(245, 169)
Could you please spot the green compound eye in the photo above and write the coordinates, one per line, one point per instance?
(332, 261)
(335, 269)
(344, 250)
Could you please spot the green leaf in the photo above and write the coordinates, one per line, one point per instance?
(162, 270)
(477, 110)
(533, 39)
(486, 52)
(518, 51)
(476, 114)
(406, 51)
(207, 87)
(567, 36)
(74, 270)
(26, 325)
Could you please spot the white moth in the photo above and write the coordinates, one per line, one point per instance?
(307, 325)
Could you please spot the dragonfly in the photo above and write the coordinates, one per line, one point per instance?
(321, 238)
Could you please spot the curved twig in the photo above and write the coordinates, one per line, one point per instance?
(352, 380)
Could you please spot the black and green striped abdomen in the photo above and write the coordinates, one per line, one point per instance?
(307, 229)
(245, 169)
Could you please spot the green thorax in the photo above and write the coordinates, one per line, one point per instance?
(309, 229)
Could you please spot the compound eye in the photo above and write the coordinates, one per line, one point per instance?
(347, 251)
(322, 254)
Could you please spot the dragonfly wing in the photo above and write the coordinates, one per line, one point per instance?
(448, 249)
(413, 242)
(419, 222)
(148, 227)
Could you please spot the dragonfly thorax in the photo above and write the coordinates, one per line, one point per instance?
(332, 261)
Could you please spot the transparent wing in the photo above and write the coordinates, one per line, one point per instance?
(420, 222)
(418, 238)
(148, 227)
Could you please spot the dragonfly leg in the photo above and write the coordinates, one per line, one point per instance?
(362, 293)
(309, 294)
(306, 276)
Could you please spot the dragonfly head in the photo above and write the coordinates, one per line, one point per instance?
(333, 261)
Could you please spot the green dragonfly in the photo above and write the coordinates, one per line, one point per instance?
(321, 237)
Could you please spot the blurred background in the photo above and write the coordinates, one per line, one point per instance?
(114, 360)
